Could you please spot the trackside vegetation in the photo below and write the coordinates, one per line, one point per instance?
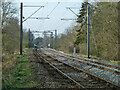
(20, 75)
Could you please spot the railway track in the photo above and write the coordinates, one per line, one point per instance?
(100, 71)
(81, 78)
(66, 80)
(94, 63)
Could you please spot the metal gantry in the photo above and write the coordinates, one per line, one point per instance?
(51, 35)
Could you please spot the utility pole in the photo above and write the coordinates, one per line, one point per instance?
(29, 37)
(55, 39)
(21, 27)
(21, 22)
(88, 30)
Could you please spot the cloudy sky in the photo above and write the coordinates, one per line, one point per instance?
(55, 10)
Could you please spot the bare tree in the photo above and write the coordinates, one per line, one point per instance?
(8, 11)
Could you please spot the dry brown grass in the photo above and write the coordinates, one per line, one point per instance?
(8, 60)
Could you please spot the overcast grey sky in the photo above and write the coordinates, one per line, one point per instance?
(55, 21)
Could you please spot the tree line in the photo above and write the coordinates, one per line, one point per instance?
(10, 26)
(104, 31)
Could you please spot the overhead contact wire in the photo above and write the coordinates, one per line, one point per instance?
(53, 9)
(32, 14)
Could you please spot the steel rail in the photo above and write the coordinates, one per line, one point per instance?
(87, 72)
(116, 67)
(74, 59)
(62, 73)
(100, 67)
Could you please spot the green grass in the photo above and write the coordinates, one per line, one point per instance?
(93, 57)
(111, 61)
(21, 75)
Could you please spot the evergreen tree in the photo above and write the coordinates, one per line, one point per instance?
(82, 20)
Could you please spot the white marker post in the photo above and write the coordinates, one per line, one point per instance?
(74, 51)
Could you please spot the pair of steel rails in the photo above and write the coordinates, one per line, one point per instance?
(56, 64)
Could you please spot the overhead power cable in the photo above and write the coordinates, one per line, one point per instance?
(32, 14)
(53, 9)
(72, 11)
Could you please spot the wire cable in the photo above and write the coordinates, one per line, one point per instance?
(53, 9)
(32, 14)
(73, 11)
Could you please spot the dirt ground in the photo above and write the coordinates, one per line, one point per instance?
(46, 76)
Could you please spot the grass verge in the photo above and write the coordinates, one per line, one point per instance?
(93, 57)
(21, 75)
